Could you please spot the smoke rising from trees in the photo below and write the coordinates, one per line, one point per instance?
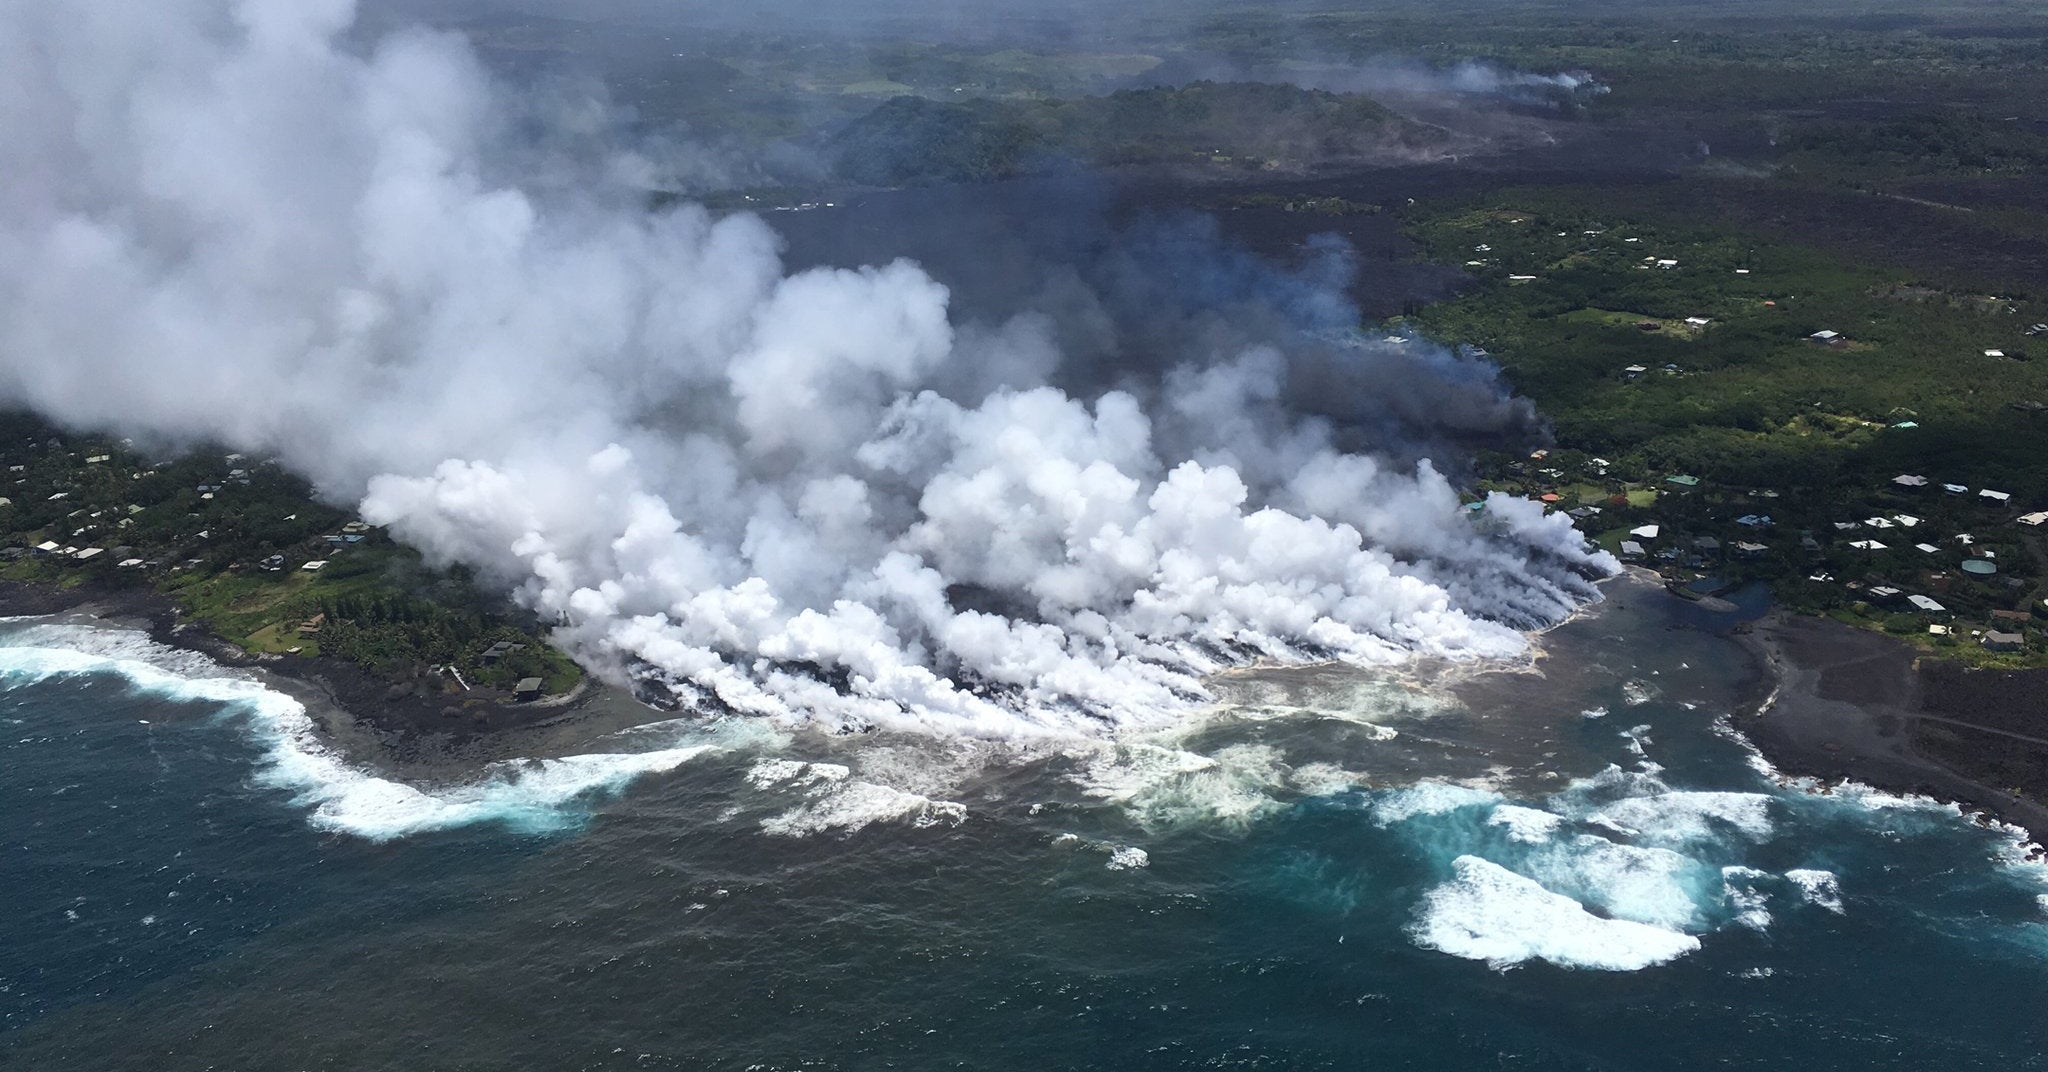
(811, 496)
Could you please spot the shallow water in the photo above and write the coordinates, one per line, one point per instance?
(1574, 869)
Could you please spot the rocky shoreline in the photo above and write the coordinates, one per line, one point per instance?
(1849, 704)
(406, 720)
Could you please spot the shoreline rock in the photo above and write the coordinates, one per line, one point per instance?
(1849, 704)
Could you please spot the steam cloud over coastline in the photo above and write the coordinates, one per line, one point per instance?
(817, 495)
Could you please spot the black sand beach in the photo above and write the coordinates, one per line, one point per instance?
(1851, 704)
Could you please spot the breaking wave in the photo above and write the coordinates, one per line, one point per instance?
(526, 794)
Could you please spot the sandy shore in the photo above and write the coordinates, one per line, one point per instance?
(1852, 704)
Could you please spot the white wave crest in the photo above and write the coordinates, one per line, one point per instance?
(1490, 913)
(1818, 887)
(1528, 825)
(837, 801)
(525, 794)
(1427, 798)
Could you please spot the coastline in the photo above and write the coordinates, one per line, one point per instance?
(1849, 704)
(404, 721)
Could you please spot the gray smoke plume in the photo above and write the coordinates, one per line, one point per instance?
(809, 496)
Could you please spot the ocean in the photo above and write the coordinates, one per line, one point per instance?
(1574, 864)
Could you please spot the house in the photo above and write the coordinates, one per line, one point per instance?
(129, 563)
(1955, 489)
(1683, 481)
(1908, 480)
(1866, 545)
(315, 566)
(1938, 630)
(1697, 321)
(1706, 543)
(1926, 604)
(527, 689)
(1827, 338)
(1631, 550)
(1635, 370)
(499, 650)
(1995, 640)
(1645, 532)
(1667, 263)
(1994, 353)
(1521, 279)
(1927, 547)
(1746, 549)
(2038, 517)
(2011, 616)
(46, 547)
(1754, 521)
(1908, 520)
(1877, 522)
(313, 625)
(1998, 498)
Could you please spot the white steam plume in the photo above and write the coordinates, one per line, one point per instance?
(746, 487)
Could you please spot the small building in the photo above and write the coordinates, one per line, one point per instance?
(1683, 480)
(1994, 353)
(1938, 630)
(1996, 498)
(1697, 321)
(313, 625)
(2039, 517)
(1908, 520)
(1926, 604)
(1927, 547)
(1884, 593)
(47, 547)
(1996, 640)
(1667, 263)
(2010, 616)
(1955, 489)
(527, 689)
(315, 566)
(1706, 544)
(1866, 545)
(1746, 549)
(1909, 480)
(1635, 370)
(88, 554)
(1827, 338)
(1754, 521)
(1631, 550)
(1645, 532)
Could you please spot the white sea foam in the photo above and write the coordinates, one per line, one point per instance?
(1645, 885)
(837, 801)
(1818, 887)
(529, 794)
(1127, 858)
(1739, 889)
(1427, 798)
(1679, 817)
(1528, 825)
(1163, 788)
(1490, 913)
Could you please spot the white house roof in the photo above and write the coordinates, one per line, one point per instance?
(1647, 532)
(1925, 603)
(2036, 518)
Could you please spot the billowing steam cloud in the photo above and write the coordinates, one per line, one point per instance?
(808, 496)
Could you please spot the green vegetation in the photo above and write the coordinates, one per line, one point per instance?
(1241, 127)
(1926, 381)
(230, 541)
